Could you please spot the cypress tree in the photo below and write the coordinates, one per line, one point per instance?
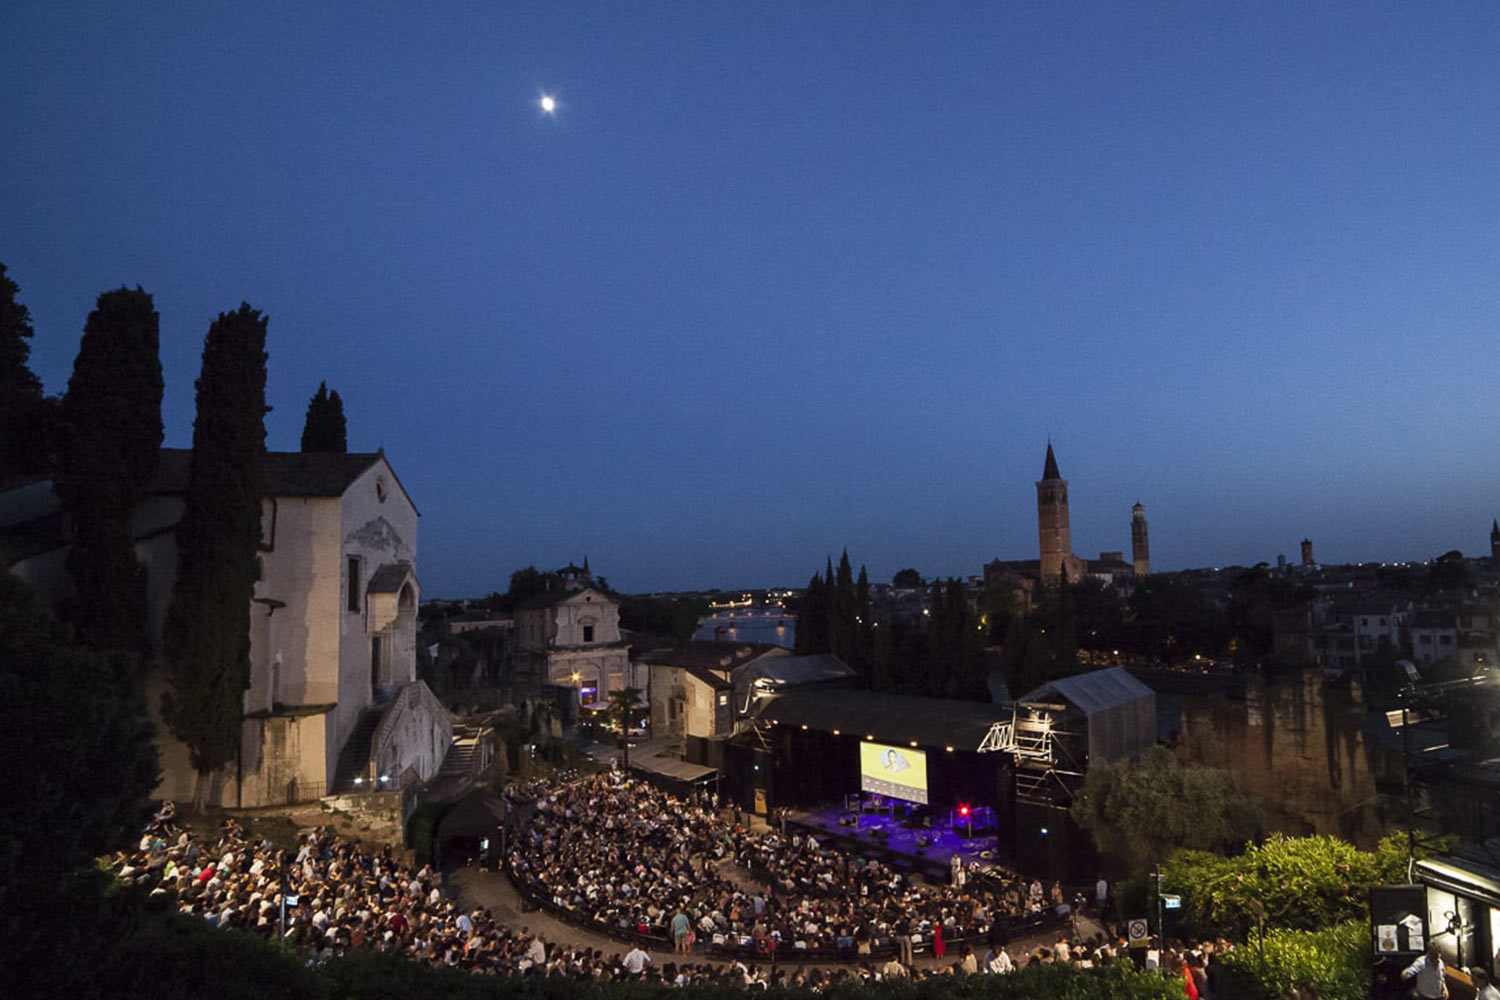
(109, 441)
(25, 445)
(939, 645)
(966, 677)
(207, 634)
(864, 624)
(325, 429)
(843, 631)
(812, 619)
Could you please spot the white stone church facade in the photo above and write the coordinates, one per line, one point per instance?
(333, 690)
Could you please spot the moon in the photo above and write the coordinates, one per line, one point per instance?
(548, 104)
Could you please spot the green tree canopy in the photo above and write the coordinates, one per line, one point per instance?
(79, 759)
(1140, 811)
(325, 430)
(1303, 883)
(1042, 645)
(906, 578)
(110, 438)
(207, 632)
(674, 618)
(528, 582)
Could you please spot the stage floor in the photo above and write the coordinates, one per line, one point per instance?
(930, 851)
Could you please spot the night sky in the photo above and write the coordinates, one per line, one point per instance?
(781, 278)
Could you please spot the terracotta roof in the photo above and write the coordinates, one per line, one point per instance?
(548, 598)
(388, 578)
(703, 654)
(795, 671)
(287, 473)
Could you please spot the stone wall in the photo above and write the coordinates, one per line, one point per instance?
(1296, 746)
(414, 734)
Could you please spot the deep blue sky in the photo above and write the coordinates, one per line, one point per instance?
(780, 278)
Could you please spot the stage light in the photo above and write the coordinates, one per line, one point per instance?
(949, 749)
(963, 811)
(835, 732)
(913, 742)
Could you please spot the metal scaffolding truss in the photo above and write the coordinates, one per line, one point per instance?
(1044, 764)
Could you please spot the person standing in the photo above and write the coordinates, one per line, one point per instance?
(682, 930)
(1428, 972)
(636, 961)
(1101, 897)
(1483, 988)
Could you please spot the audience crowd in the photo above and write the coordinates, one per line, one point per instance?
(623, 854)
(629, 857)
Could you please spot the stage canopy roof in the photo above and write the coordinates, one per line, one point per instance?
(793, 671)
(1121, 711)
(889, 718)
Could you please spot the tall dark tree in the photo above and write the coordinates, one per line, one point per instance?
(966, 674)
(843, 630)
(25, 416)
(325, 429)
(864, 619)
(207, 634)
(1043, 645)
(812, 619)
(939, 643)
(79, 767)
(109, 441)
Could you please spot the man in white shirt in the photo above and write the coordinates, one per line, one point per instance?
(636, 961)
(1483, 988)
(1431, 981)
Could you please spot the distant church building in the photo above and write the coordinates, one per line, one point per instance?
(1052, 524)
(1495, 540)
(1055, 539)
(1140, 544)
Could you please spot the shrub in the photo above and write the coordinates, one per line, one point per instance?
(1304, 883)
(1331, 963)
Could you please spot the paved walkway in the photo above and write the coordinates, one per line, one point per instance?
(475, 887)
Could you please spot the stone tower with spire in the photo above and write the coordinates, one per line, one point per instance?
(1140, 543)
(1495, 540)
(1052, 521)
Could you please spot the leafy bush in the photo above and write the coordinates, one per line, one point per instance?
(1331, 963)
(1304, 883)
(1143, 809)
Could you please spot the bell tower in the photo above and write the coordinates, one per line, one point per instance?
(1140, 544)
(1052, 519)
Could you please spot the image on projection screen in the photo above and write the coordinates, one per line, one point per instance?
(893, 771)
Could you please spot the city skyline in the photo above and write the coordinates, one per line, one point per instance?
(764, 284)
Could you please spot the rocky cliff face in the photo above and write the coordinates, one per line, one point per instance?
(1296, 745)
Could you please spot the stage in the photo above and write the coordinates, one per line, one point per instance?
(897, 834)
